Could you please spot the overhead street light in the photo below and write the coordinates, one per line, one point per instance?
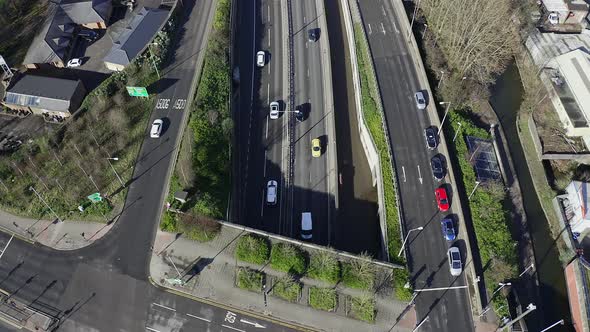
(407, 236)
(448, 103)
(114, 158)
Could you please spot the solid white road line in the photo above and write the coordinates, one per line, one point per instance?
(269, 38)
(266, 127)
(382, 28)
(268, 94)
(370, 31)
(163, 306)
(383, 9)
(150, 329)
(233, 328)
(201, 318)
(439, 288)
(303, 19)
(419, 174)
(268, 13)
(404, 173)
(262, 204)
(264, 171)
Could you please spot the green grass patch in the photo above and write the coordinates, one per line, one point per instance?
(400, 279)
(211, 122)
(252, 249)
(169, 220)
(324, 266)
(374, 121)
(198, 228)
(249, 279)
(322, 298)
(287, 289)
(358, 274)
(363, 308)
(287, 258)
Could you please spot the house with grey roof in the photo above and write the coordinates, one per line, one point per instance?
(48, 96)
(136, 36)
(53, 43)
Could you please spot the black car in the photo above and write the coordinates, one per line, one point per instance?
(438, 169)
(300, 112)
(313, 34)
(88, 34)
(431, 140)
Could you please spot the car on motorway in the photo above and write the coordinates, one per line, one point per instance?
(431, 140)
(271, 192)
(313, 34)
(156, 128)
(455, 261)
(76, 62)
(420, 100)
(316, 147)
(448, 229)
(438, 169)
(274, 110)
(306, 226)
(260, 58)
(299, 113)
(442, 199)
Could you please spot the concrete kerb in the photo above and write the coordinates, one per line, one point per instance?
(329, 107)
(365, 136)
(470, 274)
(230, 308)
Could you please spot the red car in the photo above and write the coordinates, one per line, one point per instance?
(442, 199)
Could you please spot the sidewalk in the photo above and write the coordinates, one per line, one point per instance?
(208, 271)
(67, 235)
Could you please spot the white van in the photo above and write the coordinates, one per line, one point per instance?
(306, 225)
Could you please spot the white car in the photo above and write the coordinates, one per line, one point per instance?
(271, 192)
(455, 261)
(306, 226)
(77, 62)
(274, 110)
(156, 128)
(420, 100)
(260, 59)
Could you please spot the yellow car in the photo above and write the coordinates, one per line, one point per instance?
(316, 148)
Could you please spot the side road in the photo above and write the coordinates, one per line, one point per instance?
(208, 271)
(68, 235)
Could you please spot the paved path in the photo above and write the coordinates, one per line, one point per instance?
(68, 235)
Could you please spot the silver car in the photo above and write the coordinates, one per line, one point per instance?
(455, 261)
(274, 110)
(156, 128)
(420, 100)
(260, 58)
(271, 192)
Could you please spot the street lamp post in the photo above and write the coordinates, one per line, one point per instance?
(114, 170)
(422, 322)
(442, 75)
(407, 236)
(531, 307)
(502, 285)
(476, 184)
(448, 103)
(528, 268)
(424, 32)
(553, 325)
(413, 18)
(44, 202)
(153, 60)
(457, 132)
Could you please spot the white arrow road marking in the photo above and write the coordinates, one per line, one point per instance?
(404, 173)
(255, 324)
(419, 175)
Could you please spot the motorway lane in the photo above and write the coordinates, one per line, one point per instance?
(311, 174)
(447, 310)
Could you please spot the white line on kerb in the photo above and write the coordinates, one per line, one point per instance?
(404, 173)
(370, 31)
(163, 306)
(150, 329)
(233, 328)
(201, 318)
(382, 28)
(383, 9)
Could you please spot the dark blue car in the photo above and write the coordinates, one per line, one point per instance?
(448, 229)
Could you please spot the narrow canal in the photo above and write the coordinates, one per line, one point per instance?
(506, 98)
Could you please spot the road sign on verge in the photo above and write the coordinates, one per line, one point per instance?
(94, 198)
(136, 91)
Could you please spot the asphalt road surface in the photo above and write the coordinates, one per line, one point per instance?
(264, 142)
(446, 309)
(105, 287)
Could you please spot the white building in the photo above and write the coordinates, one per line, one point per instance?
(576, 207)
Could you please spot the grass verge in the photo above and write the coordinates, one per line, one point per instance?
(252, 249)
(287, 258)
(249, 279)
(287, 289)
(363, 308)
(324, 266)
(358, 274)
(322, 298)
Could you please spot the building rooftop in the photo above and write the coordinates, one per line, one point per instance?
(574, 91)
(42, 92)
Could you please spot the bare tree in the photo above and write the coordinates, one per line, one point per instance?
(477, 37)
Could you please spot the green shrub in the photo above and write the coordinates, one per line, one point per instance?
(287, 289)
(324, 266)
(169, 221)
(322, 298)
(358, 274)
(198, 228)
(252, 249)
(287, 258)
(363, 308)
(249, 279)
(400, 278)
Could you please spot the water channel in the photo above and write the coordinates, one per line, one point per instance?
(506, 98)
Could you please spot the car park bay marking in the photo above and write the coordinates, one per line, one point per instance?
(419, 175)
(201, 318)
(163, 306)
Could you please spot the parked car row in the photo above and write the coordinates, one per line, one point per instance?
(437, 164)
